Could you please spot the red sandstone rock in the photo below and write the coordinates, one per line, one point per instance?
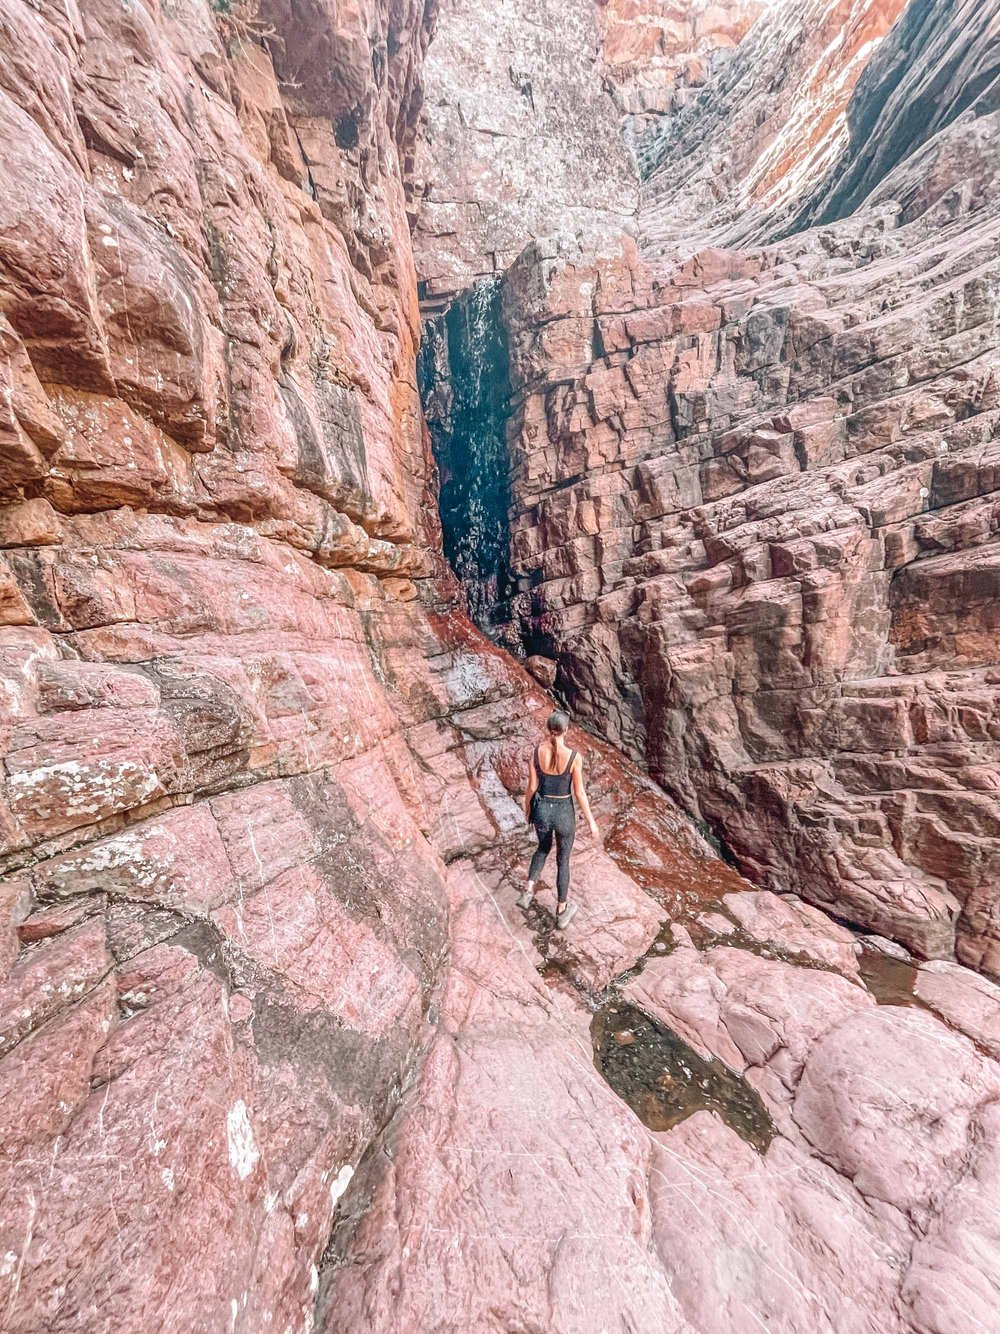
(795, 927)
(756, 521)
(243, 732)
(200, 1040)
(51, 921)
(507, 1107)
(939, 1284)
(965, 1001)
(542, 669)
(521, 140)
(657, 57)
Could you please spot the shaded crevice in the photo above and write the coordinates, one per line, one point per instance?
(463, 374)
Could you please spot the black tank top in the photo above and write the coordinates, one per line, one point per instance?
(554, 785)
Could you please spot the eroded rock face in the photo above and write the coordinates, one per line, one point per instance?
(520, 139)
(938, 73)
(260, 818)
(755, 507)
(772, 123)
(222, 926)
(657, 57)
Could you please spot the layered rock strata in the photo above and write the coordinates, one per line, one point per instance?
(658, 56)
(734, 164)
(222, 928)
(276, 1050)
(755, 507)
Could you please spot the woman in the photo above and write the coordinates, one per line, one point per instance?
(555, 777)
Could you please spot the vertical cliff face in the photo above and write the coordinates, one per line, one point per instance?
(221, 926)
(520, 139)
(252, 756)
(756, 493)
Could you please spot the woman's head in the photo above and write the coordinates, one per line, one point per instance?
(558, 723)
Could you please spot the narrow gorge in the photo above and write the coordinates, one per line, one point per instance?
(374, 375)
(463, 372)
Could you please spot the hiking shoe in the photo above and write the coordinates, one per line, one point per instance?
(564, 918)
(526, 899)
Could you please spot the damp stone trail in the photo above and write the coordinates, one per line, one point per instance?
(665, 1081)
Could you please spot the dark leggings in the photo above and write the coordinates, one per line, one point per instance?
(558, 818)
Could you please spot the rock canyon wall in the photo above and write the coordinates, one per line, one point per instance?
(277, 1051)
(657, 56)
(221, 926)
(755, 488)
(770, 125)
(520, 139)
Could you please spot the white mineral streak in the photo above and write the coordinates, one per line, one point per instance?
(243, 1152)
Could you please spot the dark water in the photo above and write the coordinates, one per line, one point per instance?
(890, 981)
(463, 374)
(665, 1081)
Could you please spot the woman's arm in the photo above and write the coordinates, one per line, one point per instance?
(531, 788)
(580, 792)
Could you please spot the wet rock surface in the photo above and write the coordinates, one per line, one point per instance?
(464, 380)
(665, 1081)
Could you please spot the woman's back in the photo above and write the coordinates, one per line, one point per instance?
(555, 777)
(558, 759)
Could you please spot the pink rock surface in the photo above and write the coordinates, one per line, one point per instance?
(657, 58)
(952, 1276)
(615, 923)
(791, 925)
(502, 1137)
(453, 1219)
(788, 1244)
(508, 1106)
(748, 1011)
(967, 1002)
(276, 1049)
(217, 958)
(521, 140)
(864, 1124)
(717, 923)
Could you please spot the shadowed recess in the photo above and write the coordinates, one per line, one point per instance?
(463, 376)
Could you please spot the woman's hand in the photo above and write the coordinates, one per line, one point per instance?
(594, 831)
